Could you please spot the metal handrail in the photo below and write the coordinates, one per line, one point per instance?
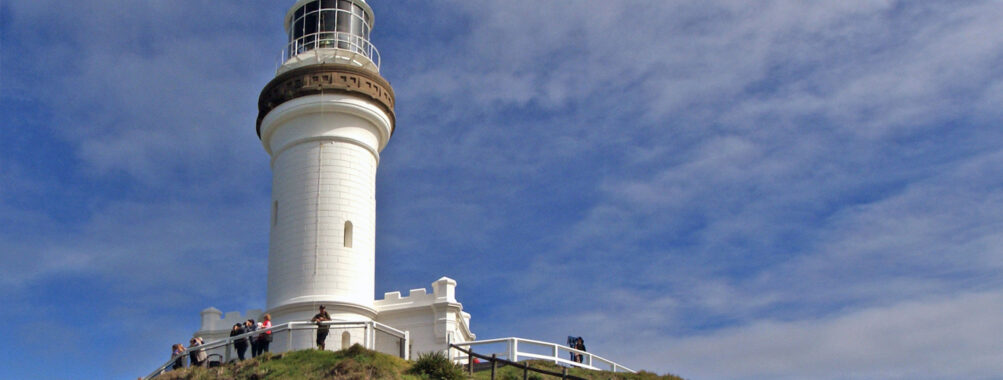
(225, 343)
(495, 360)
(343, 41)
(512, 353)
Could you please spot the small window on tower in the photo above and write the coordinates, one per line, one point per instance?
(275, 213)
(348, 234)
(346, 340)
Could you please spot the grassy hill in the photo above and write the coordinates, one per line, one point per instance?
(360, 363)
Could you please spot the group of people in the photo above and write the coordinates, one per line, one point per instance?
(577, 343)
(258, 342)
(196, 355)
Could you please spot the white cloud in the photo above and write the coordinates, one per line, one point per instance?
(926, 339)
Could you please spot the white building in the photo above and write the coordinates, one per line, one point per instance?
(324, 119)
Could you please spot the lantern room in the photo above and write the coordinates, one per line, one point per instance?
(329, 31)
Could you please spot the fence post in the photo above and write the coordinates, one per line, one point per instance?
(289, 337)
(470, 360)
(556, 354)
(372, 335)
(493, 365)
(513, 350)
(226, 354)
(564, 373)
(365, 337)
(525, 372)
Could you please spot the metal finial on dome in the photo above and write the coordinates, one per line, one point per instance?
(329, 31)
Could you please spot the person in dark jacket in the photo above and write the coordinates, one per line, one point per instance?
(580, 345)
(250, 326)
(240, 345)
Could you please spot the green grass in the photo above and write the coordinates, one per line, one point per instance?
(357, 363)
(352, 363)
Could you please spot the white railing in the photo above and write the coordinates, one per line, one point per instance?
(518, 348)
(345, 46)
(286, 343)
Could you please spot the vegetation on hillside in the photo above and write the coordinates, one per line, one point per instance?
(359, 363)
(435, 365)
(352, 363)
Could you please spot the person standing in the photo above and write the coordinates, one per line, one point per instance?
(240, 344)
(572, 342)
(196, 354)
(265, 338)
(580, 345)
(250, 326)
(322, 328)
(178, 352)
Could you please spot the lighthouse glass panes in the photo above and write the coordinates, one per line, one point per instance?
(331, 24)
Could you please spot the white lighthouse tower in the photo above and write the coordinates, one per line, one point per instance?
(324, 120)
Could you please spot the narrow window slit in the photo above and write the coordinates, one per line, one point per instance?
(348, 234)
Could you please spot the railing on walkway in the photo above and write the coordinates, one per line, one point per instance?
(493, 361)
(376, 336)
(518, 348)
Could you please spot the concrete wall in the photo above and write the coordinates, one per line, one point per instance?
(433, 320)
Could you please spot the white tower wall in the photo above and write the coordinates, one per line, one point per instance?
(325, 152)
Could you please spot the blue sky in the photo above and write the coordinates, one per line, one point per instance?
(716, 189)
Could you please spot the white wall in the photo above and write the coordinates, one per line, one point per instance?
(325, 153)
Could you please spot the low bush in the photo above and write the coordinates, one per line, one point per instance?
(436, 366)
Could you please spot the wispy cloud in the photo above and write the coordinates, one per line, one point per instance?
(926, 338)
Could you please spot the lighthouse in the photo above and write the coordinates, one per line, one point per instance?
(324, 120)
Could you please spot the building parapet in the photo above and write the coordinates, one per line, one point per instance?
(214, 320)
(443, 291)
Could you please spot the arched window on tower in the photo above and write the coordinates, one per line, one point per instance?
(346, 340)
(348, 234)
(275, 213)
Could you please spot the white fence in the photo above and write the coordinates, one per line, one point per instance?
(514, 349)
(292, 335)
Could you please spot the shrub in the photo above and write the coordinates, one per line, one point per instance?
(435, 365)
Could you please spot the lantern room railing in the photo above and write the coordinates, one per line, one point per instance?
(347, 46)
